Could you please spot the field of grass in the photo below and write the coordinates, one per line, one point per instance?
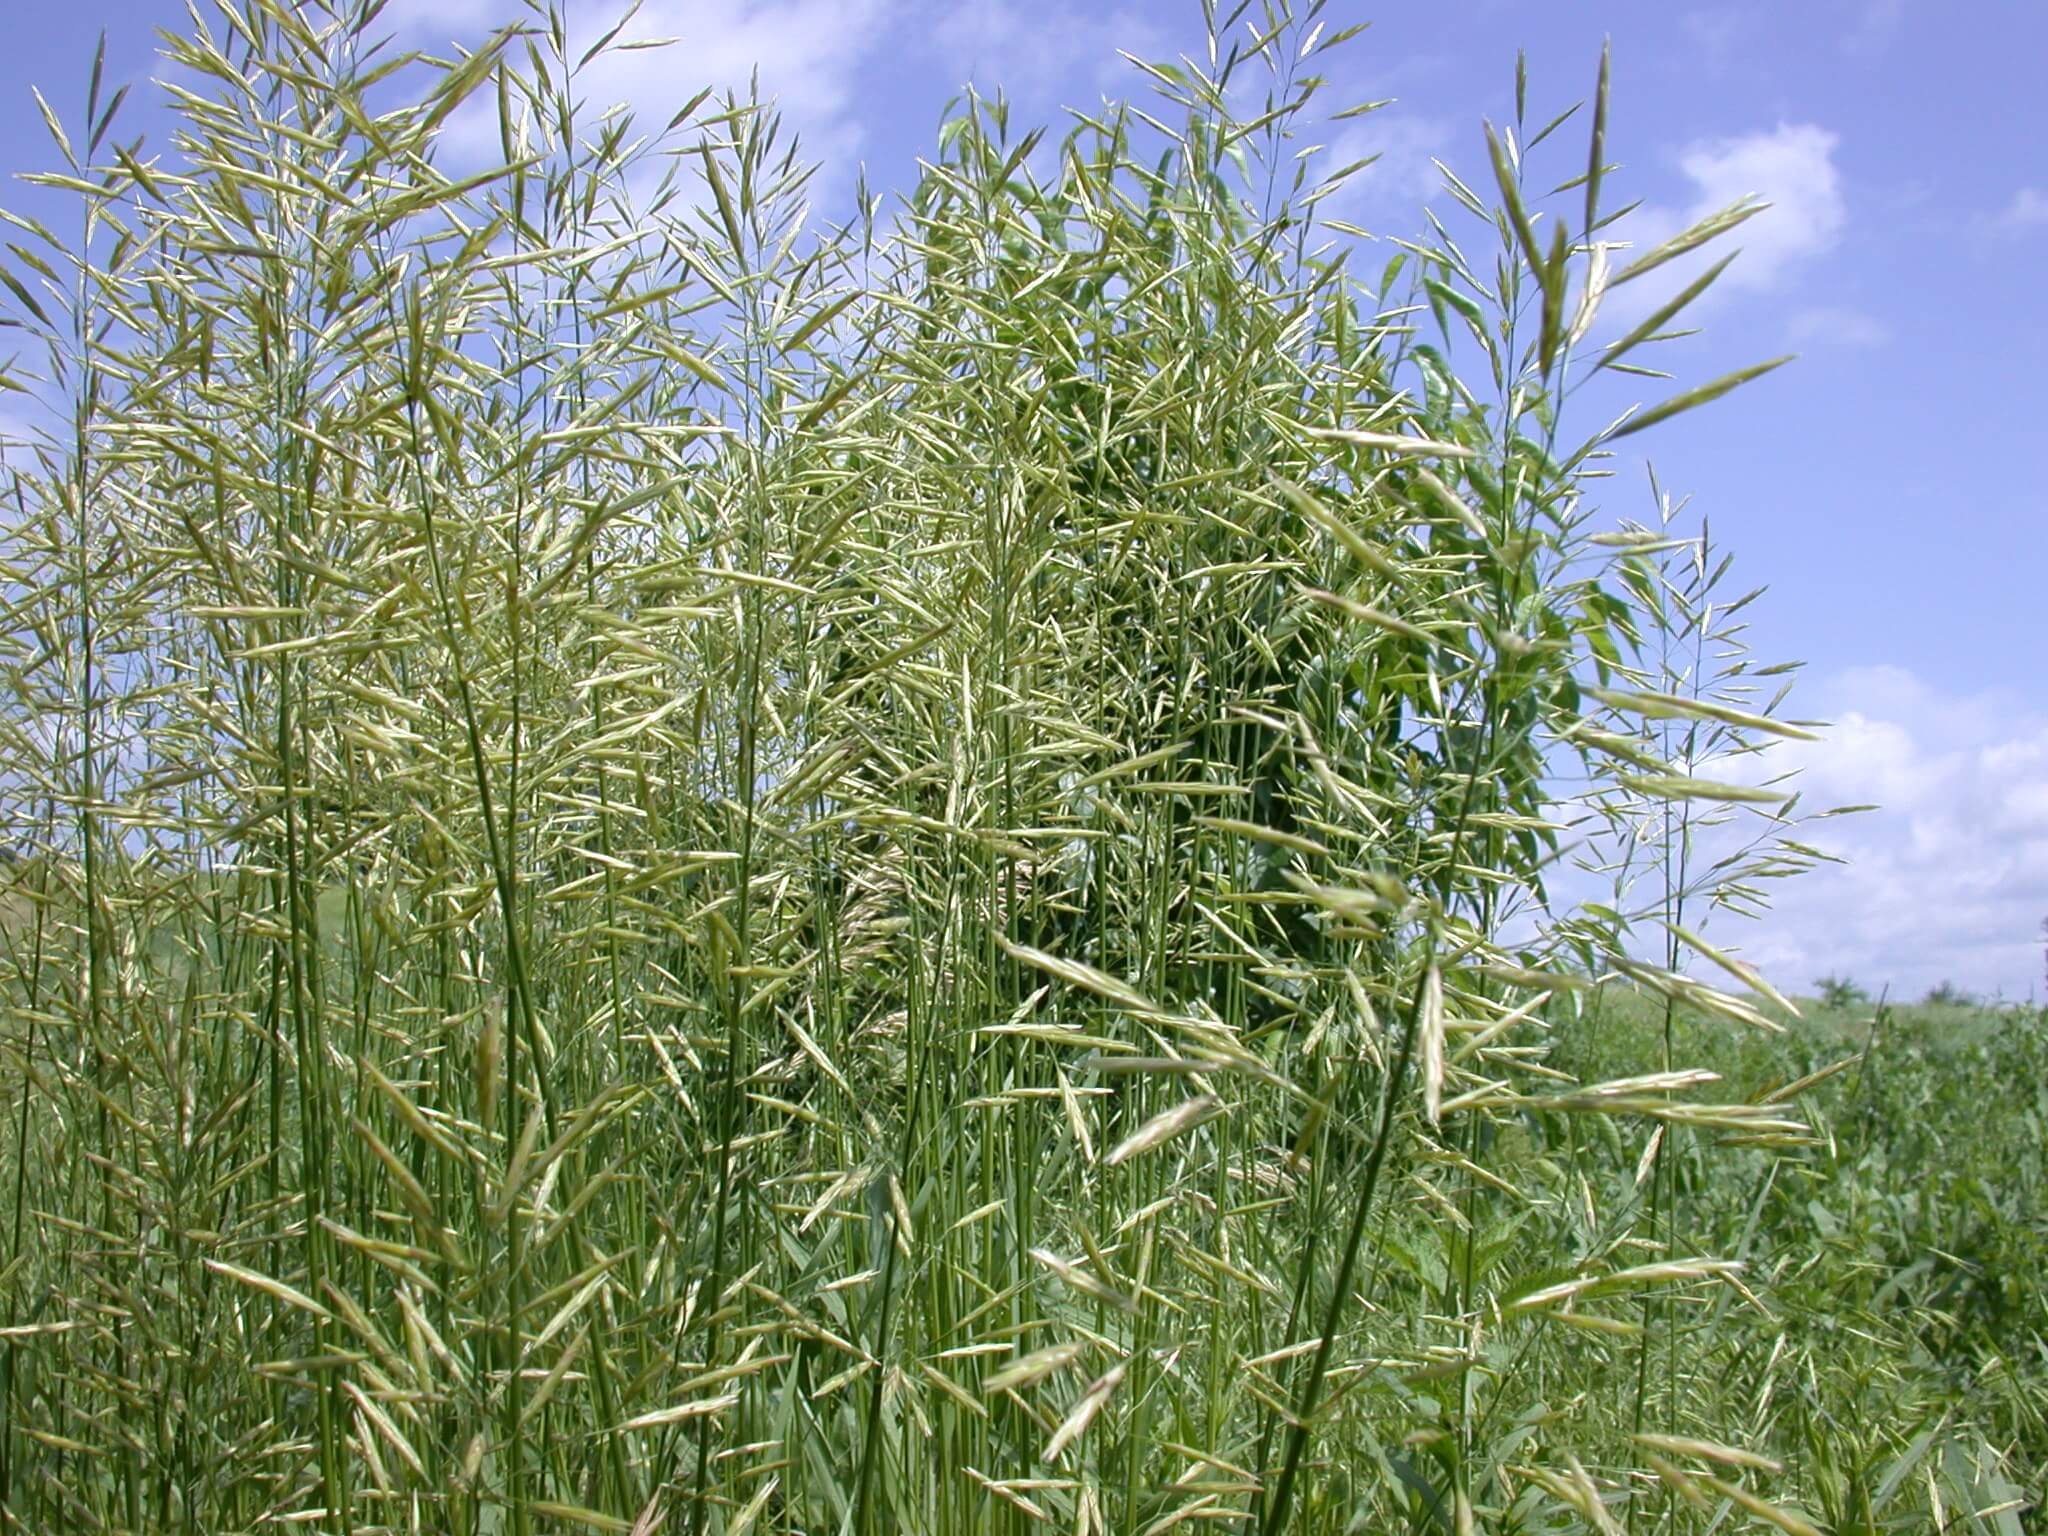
(677, 870)
(1903, 1369)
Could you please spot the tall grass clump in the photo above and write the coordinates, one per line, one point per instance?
(682, 869)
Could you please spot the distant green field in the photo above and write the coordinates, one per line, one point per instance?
(1904, 1255)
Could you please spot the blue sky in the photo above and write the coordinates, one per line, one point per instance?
(1880, 486)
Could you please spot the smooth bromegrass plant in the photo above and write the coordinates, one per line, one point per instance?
(681, 869)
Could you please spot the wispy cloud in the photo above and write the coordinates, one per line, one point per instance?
(1872, 26)
(451, 21)
(1389, 193)
(2027, 210)
(1031, 50)
(1837, 326)
(16, 438)
(1714, 35)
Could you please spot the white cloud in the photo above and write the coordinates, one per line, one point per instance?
(1790, 167)
(2027, 210)
(1834, 325)
(1949, 880)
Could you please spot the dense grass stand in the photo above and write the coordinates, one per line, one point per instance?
(1027, 861)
